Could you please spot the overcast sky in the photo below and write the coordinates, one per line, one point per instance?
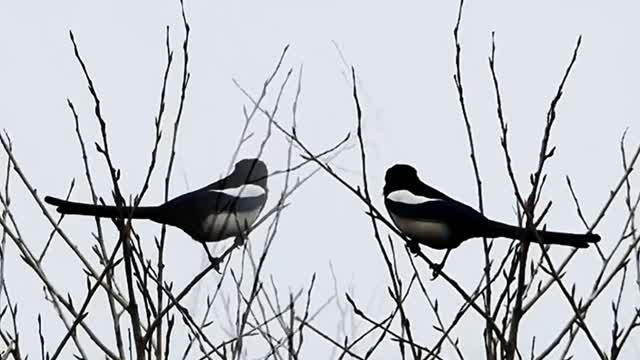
(403, 53)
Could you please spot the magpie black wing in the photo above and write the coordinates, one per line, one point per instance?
(190, 211)
(453, 213)
(205, 202)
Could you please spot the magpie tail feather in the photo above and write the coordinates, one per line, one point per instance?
(497, 229)
(103, 211)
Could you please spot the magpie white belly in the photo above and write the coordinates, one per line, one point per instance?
(225, 225)
(431, 233)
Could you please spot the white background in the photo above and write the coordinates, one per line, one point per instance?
(404, 55)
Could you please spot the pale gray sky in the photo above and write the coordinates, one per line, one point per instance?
(403, 53)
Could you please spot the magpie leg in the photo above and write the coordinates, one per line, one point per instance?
(215, 261)
(413, 247)
(437, 268)
(240, 240)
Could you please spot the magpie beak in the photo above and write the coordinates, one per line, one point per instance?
(430, 217)
(223, 209)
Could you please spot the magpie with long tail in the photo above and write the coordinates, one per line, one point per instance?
(431, 218)
(226, 208)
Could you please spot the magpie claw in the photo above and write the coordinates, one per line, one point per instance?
(215, 262)
(413, 247)
(239, 241)
(437, 270)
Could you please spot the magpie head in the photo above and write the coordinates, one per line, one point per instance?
(400, 177)
(250, 171)
(405, 177)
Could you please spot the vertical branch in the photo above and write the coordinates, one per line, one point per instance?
(628, 203)
(397, 293)
(123, 227)
(12, 344)
(545, 154)
(273, 227)
(99, 238)
(186, 75)
(104, 148)
(5, 212)
(457, 78)
(522, 252)
(529, 209)
(521, 255)
(159, 244)
(504, 138)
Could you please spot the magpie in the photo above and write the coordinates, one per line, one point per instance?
(432, 218)
(226, 208)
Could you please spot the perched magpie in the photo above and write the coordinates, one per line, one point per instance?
(226, 208)
(430, 217)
